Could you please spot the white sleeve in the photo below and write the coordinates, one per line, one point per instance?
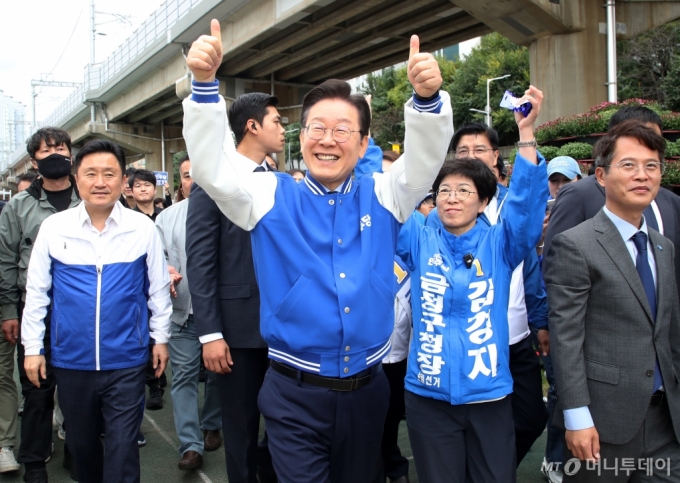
(226, 175)
(38, 285)
(426, 143)
(159, 302)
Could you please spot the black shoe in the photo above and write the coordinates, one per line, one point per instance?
(155, 400)
(36, 476)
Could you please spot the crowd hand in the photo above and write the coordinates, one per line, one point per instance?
(10, 330)
(35, 368)
(205, 55)
(159, 358)
(546, 221)
(423, 70)
(543, 337)
(175, 278)
(166, 188)
(535, 97)
(584, 444)
(217, 357)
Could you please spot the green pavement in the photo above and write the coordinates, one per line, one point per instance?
(159, 457)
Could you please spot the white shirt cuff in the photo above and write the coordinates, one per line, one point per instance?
(578, 418)
(204, 339)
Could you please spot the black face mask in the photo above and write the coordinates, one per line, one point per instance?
(54, 166)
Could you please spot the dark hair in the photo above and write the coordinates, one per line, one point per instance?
(143, 175)
(53, 136)
(639, 113)
(631, 128)
(100, 146)
(472, 128)
(28, 176)
(500, 165)
(130, 171)
(183, 160)
(391, 155)
(294, 170)
(483, 178)
(248, 106)
(159, 200)
(337, 89)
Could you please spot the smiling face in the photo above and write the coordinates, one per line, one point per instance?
(629, 193)
(459, 216)
(328, 161)
(99, 179)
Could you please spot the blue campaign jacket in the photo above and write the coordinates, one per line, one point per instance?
(459, 350)
(534, 289)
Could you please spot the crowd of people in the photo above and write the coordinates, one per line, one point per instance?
(335, 301)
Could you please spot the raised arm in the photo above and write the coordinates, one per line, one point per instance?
(429, 129)
(216, 166)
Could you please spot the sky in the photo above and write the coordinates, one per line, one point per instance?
(50, 39)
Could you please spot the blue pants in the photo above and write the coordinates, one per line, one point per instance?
(317, 435)
(185, 357)
(92, 400)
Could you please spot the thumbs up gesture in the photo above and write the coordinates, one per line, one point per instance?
(205, 55)
(423, 70)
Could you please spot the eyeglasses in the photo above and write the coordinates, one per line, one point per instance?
(654, 169)
(460, 193)
(478, 151)
(341, 134)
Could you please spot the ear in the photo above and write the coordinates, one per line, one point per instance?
(600, 175)
(251, 127)
(482, 207)
(363, 146)
(34, 163)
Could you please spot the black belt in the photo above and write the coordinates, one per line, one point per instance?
(657, 398)
(357, 381)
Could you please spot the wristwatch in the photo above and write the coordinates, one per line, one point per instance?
(527, 144)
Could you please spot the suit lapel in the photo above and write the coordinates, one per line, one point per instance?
(667, 214)
(613, 244)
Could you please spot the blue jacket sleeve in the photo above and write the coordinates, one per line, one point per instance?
(535, 297)
(371, 162)
(408, 243)
(524, 210)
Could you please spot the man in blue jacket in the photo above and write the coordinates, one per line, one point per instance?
(327, 294)
(98, 270)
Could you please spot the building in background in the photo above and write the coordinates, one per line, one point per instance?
(13, 127)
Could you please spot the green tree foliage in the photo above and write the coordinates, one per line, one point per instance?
(464, 80)
(175, 169)
(292, 145)
(648, 66)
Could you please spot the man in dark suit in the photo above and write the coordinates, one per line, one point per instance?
(581, 201)
(226, 298)
(615, 323)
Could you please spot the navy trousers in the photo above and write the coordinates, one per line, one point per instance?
(317, 435)
(93, 400)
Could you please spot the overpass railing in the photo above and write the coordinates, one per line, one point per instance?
(156, 26)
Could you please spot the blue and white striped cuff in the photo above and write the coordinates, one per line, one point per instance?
(205, 92)
(434, 106)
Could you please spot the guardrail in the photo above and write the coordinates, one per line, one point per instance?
(157, 25)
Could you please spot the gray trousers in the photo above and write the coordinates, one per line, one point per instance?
(653, 455)
(9, 394)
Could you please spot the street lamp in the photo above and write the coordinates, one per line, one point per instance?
(488, 102)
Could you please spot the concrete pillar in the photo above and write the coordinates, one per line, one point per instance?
(571, 68)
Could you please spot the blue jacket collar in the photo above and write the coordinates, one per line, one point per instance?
(318, 189)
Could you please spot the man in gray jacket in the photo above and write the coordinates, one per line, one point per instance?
(185, 348)
(615, 324)
(55, 191)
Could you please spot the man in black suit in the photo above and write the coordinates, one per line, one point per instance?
(226, 297)
(581, 201)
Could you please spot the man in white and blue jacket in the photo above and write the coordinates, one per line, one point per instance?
(99, 270)
(327, 292)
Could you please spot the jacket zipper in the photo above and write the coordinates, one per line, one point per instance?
(99, 290)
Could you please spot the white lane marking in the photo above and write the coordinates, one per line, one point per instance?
(167, 438)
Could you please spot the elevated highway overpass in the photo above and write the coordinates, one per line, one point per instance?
(287, 46)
